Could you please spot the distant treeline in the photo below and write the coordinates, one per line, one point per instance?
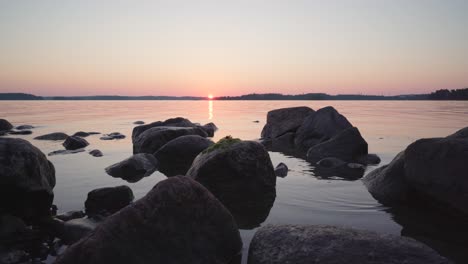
(457, 94)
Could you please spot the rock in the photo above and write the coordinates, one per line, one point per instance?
(335, 245)
(96, 153)
(27, 180)
(283, 142)
(108, 200)
(70, 215)
(178, 221)
(240, 174)
(256, 121)
(281, 170)
(24, 127)
(387, 184)
(173, 122)
(73, 230)
(113, 135)
(93, 133)
(14, 256)
(20, 132)
(53, 136)
(10, 227)
(333, 167)
(73, 143)
(154, 138)
(81, 134)
(346, 145)
(369, 159)
(210, 129)
(281, 121)
(176, 156)
(134, 168)
(331, 162)
(356, 166)
(319, 127)
(5, 125)
(65, 152)
(138, 123)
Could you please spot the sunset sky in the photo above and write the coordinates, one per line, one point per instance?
(232, 47)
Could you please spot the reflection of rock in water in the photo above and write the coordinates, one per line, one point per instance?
(447, 234)
(343, 172)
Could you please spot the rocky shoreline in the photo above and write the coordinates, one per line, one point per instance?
(215, 189)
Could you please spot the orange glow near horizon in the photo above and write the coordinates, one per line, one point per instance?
(210, 96)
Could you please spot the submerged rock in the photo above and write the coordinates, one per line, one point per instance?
(65, 152)
(112, 136)
(333, 167)
(281, 121)
(240, 174)
(24, 127)
(134, 168)
(81, 134)
(154, 138)
(53, 136)
(281, 170)
(139, 123)
(5, 125)
(73, 143)
(178, 221)
(108, 200)
(20, 132)
(303, 244)
(96, 153)
(176, 156)
(27, 180)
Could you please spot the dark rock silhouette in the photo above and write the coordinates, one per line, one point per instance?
(73, 143)
(108, 200)
(134, 168)
(5, 125)
(281, 121)
(173, 122)
(96, 153)
(53, 136)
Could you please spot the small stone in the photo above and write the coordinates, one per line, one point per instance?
(96, 153)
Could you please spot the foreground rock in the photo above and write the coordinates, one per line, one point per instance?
(5, 125)
(335, 245)
(73, 143)
(240, 174)
(429, 172)
(178, 221)
(75, 229)
(176, 157)
(26, 180)
(106, 201)
(281, 121)
(172, 122)
(154, 138)
(53, 136)
(134, 168)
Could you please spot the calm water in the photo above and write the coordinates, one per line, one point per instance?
(302, 197)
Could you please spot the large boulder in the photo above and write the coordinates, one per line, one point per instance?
(429, 172)
(178, 221)
(5, 125)
(281, 121)
(347, 145)
(303, 244)
(134, 168)
(27, 180)
(108, 200)
(240, 174)
(173, 122)
(154, 138)
(53, 136)
(320, 126)
(73, 143)
(176, 156)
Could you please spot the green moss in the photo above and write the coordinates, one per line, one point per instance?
(223, 143)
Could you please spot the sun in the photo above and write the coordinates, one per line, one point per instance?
(210, 96)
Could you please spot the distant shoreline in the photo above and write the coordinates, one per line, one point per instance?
(452, 95)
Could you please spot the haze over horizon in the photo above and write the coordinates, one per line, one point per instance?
(229, 48)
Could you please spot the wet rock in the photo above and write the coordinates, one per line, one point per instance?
(210, 129)
(138, 123)
(281, 121)
(178, 221)
(320, 126)
(176, 156)
(5, 125)
(346, 145)
(283, 142)
(256, 121)
(27, 180)
(70, 215)
(240, 174)
(108, 200)
(336, 168)
(73, 230)
(73, 143)
(24, 127)
(331, 162)
(112, 136)
(65, 152)
(154, 138)
(20, 132)
(335, 245)
(172, 122)
(281, 170)
(96, 153)
(53, 136)
(134, 168)
(369, 159)
(81, 134)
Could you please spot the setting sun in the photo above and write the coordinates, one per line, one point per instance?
(210, 96)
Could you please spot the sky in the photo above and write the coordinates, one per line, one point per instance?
(201, 47)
